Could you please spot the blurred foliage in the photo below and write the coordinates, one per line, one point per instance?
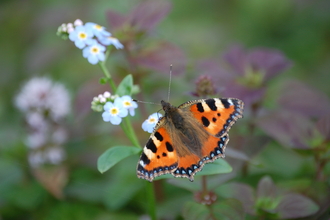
(279, 152)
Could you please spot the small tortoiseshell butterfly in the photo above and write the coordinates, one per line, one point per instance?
(189, 136)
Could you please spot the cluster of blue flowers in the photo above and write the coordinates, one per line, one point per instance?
(91, 38)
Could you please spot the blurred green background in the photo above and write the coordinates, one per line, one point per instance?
(202, 29)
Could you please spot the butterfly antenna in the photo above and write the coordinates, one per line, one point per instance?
(134, 100)
(169, 84)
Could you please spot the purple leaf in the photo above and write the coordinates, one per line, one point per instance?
(270, 61)
(115, 19)
(248, 95)
(144, 16)
(323, 126)
(161, 57)
(300, 98)
(211, 67)
(289, 129)
(296, 206)
(148, 14)
(241, 192)
(266, 188)
(236, 57)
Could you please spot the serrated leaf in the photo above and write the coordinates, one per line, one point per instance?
(114, 155)
(195, 211)
(125, 86)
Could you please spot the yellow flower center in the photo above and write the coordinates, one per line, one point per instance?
(114, 111)
(152, 120)
(127, 103)
(99, 27)
(95, 50)
(82, 35)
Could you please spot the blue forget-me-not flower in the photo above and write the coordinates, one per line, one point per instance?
(81, 36)
(129, 104)
(114, 112)
(98, 30)
(94, 53)
(149, 124)
(111, 41)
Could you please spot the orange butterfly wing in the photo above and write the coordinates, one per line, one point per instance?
(217, 116)
(160, 154)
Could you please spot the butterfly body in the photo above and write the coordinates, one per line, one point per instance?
(188, 136)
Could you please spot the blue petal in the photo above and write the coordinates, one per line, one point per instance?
(107, 106)
(115, 120)
(92, 59)
(101, 56)
(145, 126)
(86, 52)
(119, 102)
(123, 112)
(106, 116)
(131, 111)
(80, 44)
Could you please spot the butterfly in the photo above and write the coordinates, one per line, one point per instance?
(189, 136)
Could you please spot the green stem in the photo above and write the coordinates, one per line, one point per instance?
(108, 76)
(126, 125)
(130, 132)
(151, 200)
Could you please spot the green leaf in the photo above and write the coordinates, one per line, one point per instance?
(194, 211)
(103, 80)
(114, 155)
(229, 209)
(123, 185)
(216, 167)
(125, 86)
(135, 89)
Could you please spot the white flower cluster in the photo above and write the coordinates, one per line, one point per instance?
(100, 100)
(41, 95)
(44, 104)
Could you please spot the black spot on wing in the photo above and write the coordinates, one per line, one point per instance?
(169, 147)
(225, 103)
(158, 136)
(164, 154)
(214, 119)
(200, 107)
(211, 104)
(144, 158)
(151, 146)
(205, 121)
